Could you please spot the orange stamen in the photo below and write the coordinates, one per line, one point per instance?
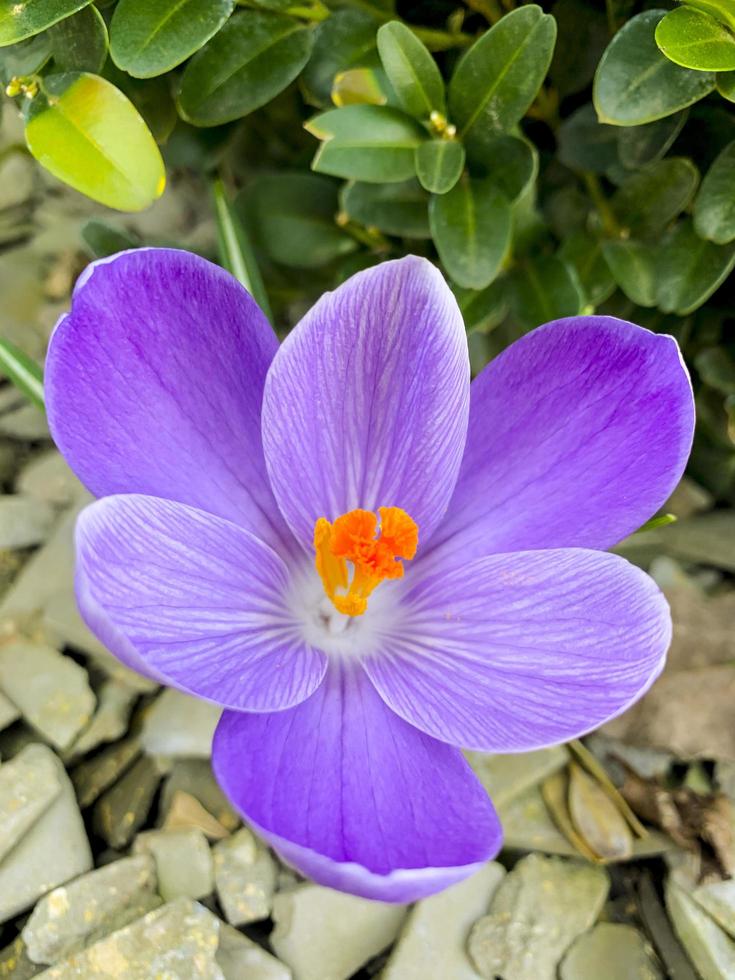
(354, 538)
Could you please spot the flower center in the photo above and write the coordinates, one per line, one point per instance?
(375, 556)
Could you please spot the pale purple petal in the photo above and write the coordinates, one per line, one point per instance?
(578, 434)
(366, 401)
(154, 385)
(192, 601)
(515, 652)
(352, 796)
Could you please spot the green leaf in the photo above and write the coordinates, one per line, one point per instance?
(79, 43)
(24, 373)
(86, 133)
(716, 368)
(655, 195)
(511, 164)
(439, 165)
(346, 39)
(635, 83)
(482, 310)
(395, 209)
(638, 145)
(153, 99)
(236, 253)
(721, 10)
(695, 40)
(471, 228)
(714, 209)
(411, 71)
(20, 19)
(633, 265)
(358, 86)
(291, 217)
(726, 85)
(148, 39)
(366, 142)
(253, 58)
(690, 269)
(103, 239)
(497, 79)
(544, 288)
(583, 253)
(25, 58)
(587, 144)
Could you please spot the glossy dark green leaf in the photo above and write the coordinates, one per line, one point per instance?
(346, 39)
(439, 164)
(395, 209)
(655, 195)
(89, 135)
(545, 288)
(694, 39)
(583, 253)
(148, 39)
(690, 269)
(20, 19)
(483, 309)
(497, 79)
(25, 58)
(511, 164)
(639, 145)
(587, 144)
(79, 43)
(253, 58)
(636, 83)
(23, 372)
(633, 266)
(103, 239)
(726, 85)
(411, 70)
(366, 142)
(292, 218)
(471, 228)
(236, 253)
(714, 209)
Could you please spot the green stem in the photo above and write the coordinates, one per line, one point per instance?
(609, 221)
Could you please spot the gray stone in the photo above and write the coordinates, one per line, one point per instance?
(29, 784)
(52, 691)
(15, 963)
(176, 942)
(528, 826)
(179, 725)
(24, 521)
(124, 807)
(183, 862)
(240, 958)
(110, 720)
(93, 776)
(63, 623)
(8, 712)
(64, 919)
(54, 851)
(327, 935)
(245, 877)
(610, 952)
(709, 947)
(538, 911)
(507, 777)
(195, 777)
(48, 478)
(26, 423)
(432, 944)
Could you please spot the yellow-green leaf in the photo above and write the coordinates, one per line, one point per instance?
(87, 133)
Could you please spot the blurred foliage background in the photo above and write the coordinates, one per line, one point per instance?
(573, 157)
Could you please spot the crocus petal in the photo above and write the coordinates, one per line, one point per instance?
(192, 601)
(154, 384)
(515, 652)
(352, 796)
(578, 434)
(366, 401)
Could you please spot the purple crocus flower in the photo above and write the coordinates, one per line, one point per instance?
(362, 560)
